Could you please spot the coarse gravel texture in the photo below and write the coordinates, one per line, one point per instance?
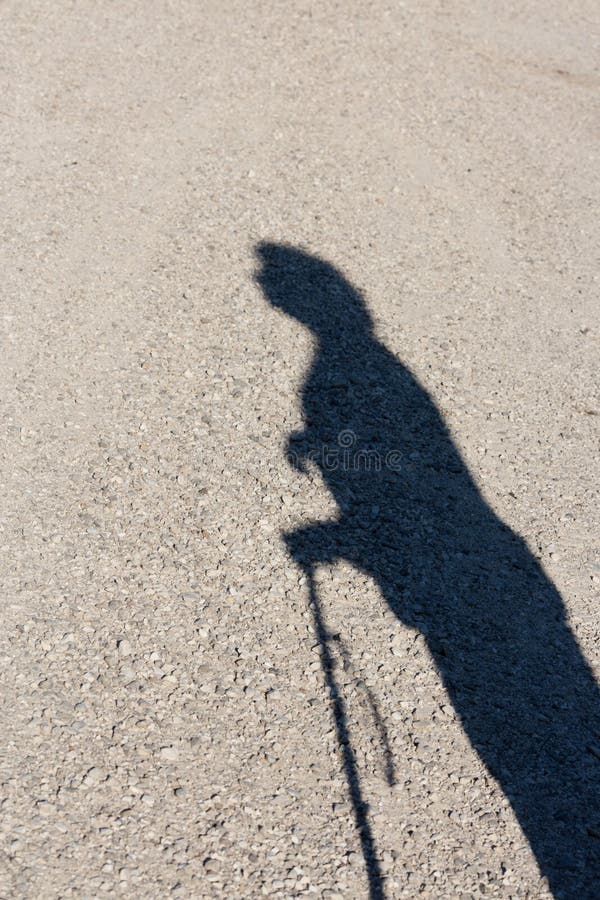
(168, 726)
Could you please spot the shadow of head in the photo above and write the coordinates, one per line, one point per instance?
(310, 290)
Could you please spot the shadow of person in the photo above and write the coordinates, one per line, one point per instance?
(411, 517)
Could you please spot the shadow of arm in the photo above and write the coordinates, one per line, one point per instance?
(315, 544)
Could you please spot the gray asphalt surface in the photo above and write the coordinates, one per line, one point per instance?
(176, 718)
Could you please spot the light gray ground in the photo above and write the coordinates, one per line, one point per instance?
(165, 724)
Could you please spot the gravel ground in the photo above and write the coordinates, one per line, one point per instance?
(234, 235)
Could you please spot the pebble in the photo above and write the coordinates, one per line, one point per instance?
(170, 754)
(93, 776)
(124, 648)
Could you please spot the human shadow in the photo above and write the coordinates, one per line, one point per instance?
(411, 517)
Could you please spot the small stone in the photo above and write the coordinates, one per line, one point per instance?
(45, 808)
(124, 648)
(397, 646)
(127, 674)
(170, 754)
(93, 776)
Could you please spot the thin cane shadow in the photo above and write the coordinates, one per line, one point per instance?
(411, 517)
